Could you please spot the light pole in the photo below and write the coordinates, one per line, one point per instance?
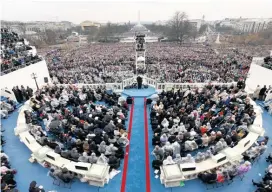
(34, 76)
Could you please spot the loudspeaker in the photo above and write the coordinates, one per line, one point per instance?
(81, 168)
(46, 79)
(219, 157)
(129, 100)
(50, 157)
(188, 167)
(148, 101)
(246, 143)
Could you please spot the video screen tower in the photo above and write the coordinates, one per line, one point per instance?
(140, 48)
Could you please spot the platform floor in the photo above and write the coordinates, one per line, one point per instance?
(136, 178)
(139, 92)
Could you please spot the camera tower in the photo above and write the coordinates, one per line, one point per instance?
(140, 51)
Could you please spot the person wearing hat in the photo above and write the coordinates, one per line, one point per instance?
(244, 168)
(33, 187)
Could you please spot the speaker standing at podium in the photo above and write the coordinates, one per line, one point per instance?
(140, 81)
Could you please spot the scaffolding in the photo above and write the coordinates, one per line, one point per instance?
(140, 49)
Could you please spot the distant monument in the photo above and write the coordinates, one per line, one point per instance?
(217, 39)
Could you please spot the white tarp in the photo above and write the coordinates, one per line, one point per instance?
(258, 75)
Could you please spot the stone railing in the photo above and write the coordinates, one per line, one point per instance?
(169, 86)
(118, 87)
(112, 86)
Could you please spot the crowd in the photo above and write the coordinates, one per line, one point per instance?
(166, 62)
(192, 120)
(15, 52)
(266, 184)
(8, 184)
(174, 63)
(267, 62)
(22, 94)
(95, 63)
(225, 173)
(264, 94)
(7, 107)
(82, 125)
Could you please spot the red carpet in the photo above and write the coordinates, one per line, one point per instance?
(147, 167)
(124, 175)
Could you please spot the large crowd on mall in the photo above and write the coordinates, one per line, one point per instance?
(87, 124)
(165, 62)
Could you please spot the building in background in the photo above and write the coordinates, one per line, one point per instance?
(87, 25)
(196, 23)
(129, 37)
(247, 25)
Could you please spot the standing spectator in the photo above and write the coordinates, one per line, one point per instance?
(262, 93)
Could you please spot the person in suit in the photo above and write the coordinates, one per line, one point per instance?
(140, 81)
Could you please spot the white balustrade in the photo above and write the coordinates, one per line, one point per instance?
(146, 80)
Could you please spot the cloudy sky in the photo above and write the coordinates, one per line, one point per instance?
(127, 10)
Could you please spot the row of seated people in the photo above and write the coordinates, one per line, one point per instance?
(7, 107)
(265, 185)
(229, 171)
(62, 174)
(78, 128)
(173, 150)
(225, 173)
(256, 150)
(8, 184)
(14, 52)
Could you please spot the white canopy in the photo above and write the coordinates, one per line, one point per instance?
(141, 58)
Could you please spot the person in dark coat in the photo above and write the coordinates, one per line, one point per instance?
(33, 187)
(20, 95)
(262, 93)
(140, 81)
(29, 91)
(24, 93)
(16, 93)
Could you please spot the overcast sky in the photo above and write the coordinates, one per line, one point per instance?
(127, 10)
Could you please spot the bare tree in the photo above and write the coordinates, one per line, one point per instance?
(202, 29)
(51, 37)
(22, 27)
(179, 26)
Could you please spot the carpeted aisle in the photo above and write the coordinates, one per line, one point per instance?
(135, 180)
